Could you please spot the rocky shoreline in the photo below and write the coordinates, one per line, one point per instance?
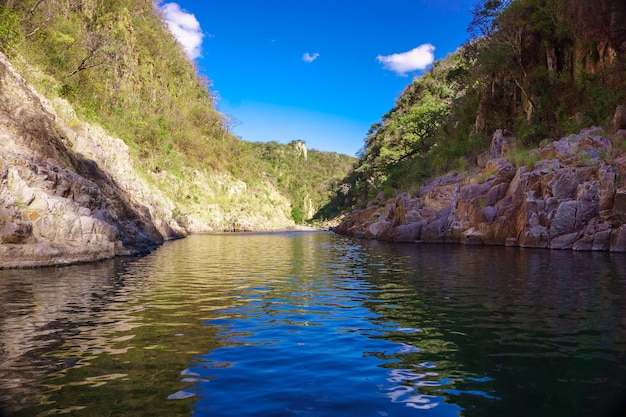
(572, 196)
(70, 193)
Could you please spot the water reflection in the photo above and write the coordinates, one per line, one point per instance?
(314, 324)
(42, 309)
(546, 329)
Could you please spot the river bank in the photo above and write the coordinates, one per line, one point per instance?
(567, 194)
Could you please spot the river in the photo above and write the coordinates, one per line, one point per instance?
(315, 324)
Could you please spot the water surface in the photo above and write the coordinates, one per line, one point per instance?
(314, 324)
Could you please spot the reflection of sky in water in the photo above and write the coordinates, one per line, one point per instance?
(315, 325)
(314, 352)
(406, 392)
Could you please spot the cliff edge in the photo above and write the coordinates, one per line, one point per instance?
(70, 192)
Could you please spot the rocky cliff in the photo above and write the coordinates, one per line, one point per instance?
(70, 193)
(569, 195)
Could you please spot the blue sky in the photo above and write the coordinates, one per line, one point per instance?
(322, 71)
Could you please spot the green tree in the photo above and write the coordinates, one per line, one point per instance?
(9, 28)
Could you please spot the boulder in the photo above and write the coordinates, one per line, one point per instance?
(441, 193)
(435, 230)
(618, 239)
(564, 221)
(409, 232)
(564, 241)
(471, 237)
(502, 141)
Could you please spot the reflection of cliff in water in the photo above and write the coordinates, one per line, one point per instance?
(128, 316)
(41, 309)
(201, 321)
(512, 315)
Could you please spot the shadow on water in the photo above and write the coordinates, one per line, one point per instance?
(314, 324)
(39, 310)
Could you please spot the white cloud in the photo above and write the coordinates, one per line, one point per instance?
(416, 59)
(308, 58)
(185, 28)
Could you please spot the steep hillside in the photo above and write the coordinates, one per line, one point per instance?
(540, 68)
(308, 177)
(118, 66)
(68, 192)
(111, 142)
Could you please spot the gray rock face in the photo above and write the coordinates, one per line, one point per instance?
(67, 196)
(69, 192)
(569, 199)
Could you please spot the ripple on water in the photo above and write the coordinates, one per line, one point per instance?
(313, 324)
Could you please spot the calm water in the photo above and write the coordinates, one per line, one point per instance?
(313, 324)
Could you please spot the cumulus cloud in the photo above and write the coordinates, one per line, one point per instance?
(308, 58)
(185, 28)
(416, 59)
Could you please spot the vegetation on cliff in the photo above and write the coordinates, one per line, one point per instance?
(120, 67)
(309, 177)
(540, 68)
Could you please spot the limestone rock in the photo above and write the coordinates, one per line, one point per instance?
(69, 192)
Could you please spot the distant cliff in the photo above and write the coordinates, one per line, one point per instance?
(567, 194)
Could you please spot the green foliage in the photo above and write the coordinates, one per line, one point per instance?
(9, 28)
(485, 14)
(426, 133)
(542, 71)
(538, 68)
(298, 216)
(308, 183)
(522, 157)
(396, 148)
(120, 67)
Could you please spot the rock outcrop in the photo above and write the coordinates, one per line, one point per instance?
(570, 198)
(70, 193)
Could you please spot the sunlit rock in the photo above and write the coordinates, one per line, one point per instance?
(567, 199)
